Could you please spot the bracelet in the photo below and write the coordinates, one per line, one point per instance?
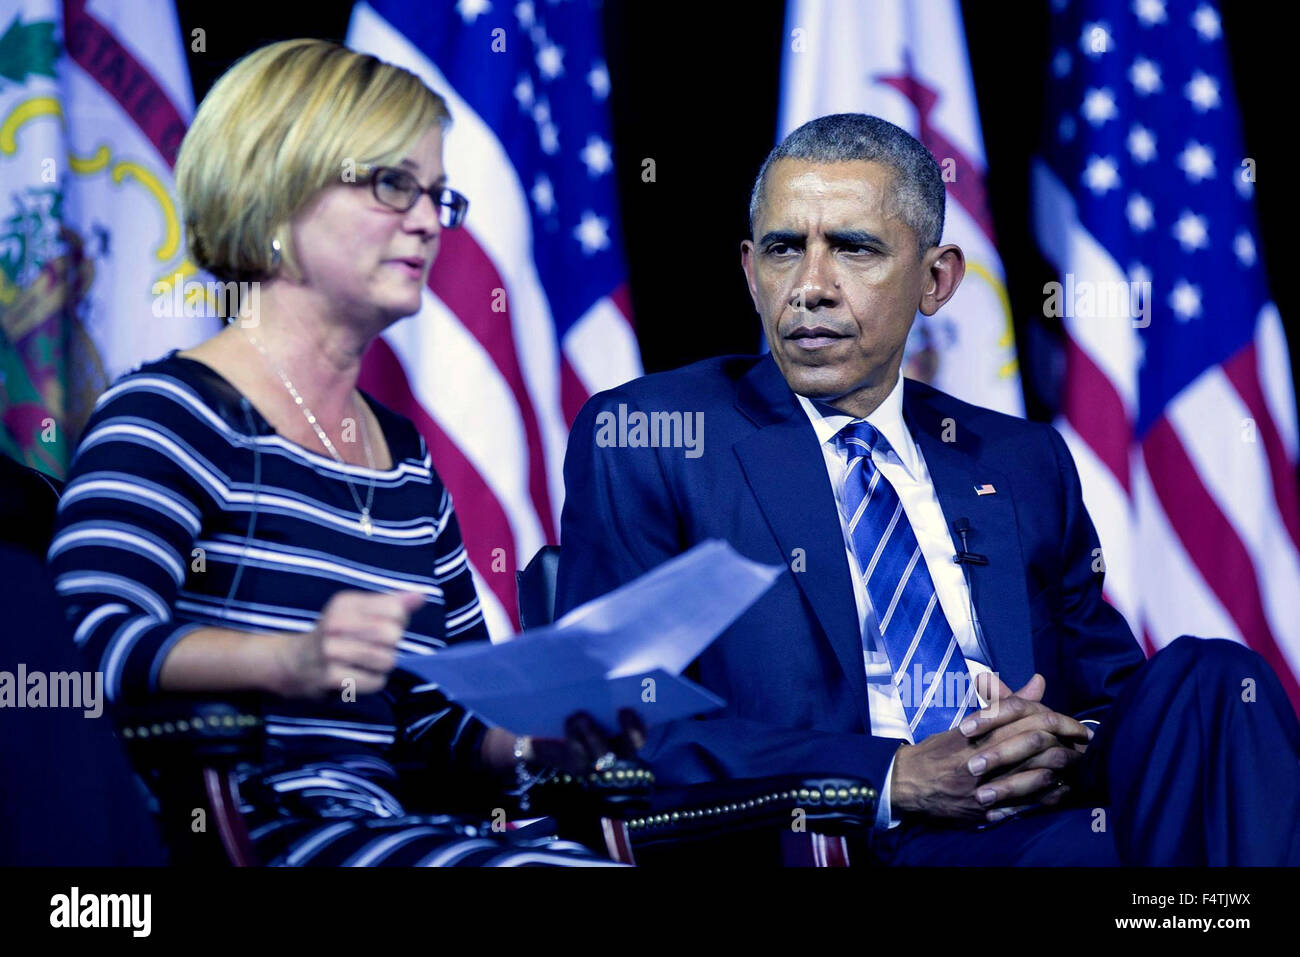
(523, 752)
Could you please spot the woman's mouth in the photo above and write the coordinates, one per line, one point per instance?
(414, 269)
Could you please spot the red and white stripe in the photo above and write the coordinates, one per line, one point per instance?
(493, 393)
(907, 63)
(1200, 521)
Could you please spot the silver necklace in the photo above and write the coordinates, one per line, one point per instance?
(366, 525)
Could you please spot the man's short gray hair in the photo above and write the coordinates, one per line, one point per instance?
(845, 137)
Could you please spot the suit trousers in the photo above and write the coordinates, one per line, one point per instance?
(1197, 763)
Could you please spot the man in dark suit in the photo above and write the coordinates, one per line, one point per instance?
(881, 655)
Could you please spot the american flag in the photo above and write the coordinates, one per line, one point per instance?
(1178, 406)
(527, 310)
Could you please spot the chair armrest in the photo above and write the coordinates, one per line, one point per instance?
(620, 791)
(830, 805)
(190, 731)
(188, 750)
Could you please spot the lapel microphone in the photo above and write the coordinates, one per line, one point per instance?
(965, 556)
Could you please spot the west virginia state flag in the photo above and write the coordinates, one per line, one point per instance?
(906, 62)
(95, 98)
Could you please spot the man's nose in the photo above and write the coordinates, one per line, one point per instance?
(815, 282)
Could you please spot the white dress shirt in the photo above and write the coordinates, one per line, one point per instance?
(904, 467)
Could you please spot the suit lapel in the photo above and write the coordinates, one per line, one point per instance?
(787, 473)
(1001, 598)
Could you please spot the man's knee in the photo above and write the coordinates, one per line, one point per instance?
(1216, 662)
(1213, 654)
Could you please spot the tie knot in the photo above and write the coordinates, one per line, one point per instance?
(859, 438)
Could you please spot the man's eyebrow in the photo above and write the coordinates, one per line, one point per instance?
(837, 237)
(855, 237)
(787, 236)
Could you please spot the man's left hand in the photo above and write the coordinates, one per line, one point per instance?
(1019, 736)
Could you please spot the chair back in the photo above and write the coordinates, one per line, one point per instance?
(535, 588)
(29, 502)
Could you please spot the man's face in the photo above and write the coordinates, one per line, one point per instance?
(834, 274)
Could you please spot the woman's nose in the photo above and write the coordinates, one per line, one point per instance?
(424, 216)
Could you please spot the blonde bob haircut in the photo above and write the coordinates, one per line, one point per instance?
(283, 123)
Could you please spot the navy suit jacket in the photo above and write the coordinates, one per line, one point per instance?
(791, 668)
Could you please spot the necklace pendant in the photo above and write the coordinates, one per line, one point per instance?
(366, 525)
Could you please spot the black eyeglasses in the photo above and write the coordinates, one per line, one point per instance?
(397, 189)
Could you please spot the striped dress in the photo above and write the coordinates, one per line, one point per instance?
(184, 508)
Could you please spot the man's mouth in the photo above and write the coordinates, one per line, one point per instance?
(815, 337)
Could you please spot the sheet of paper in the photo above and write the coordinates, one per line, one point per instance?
(598, 657)
(668, 616)
(656, 696)
(518, 666)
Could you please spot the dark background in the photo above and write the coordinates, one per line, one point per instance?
(696, 86)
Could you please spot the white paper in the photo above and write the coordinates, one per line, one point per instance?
(668, 616)
(649, 629)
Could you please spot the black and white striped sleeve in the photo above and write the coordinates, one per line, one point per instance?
(127, 520)
(438, 731)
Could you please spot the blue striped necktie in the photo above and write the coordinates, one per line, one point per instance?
(928, 667)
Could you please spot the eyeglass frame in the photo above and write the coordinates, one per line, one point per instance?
(370, 174)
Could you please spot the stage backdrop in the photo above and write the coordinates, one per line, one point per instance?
(907, 63)
(527, 310)
(95, 98)
(1178, 406)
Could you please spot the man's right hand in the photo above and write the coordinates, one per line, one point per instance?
(1022, 763)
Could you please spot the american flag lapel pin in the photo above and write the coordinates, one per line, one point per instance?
(985, 489)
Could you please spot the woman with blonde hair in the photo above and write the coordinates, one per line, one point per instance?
(240, 518)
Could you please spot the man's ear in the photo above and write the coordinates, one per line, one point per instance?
(747, 264)
(944, 267)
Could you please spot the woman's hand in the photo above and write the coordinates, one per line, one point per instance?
(355, 640)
